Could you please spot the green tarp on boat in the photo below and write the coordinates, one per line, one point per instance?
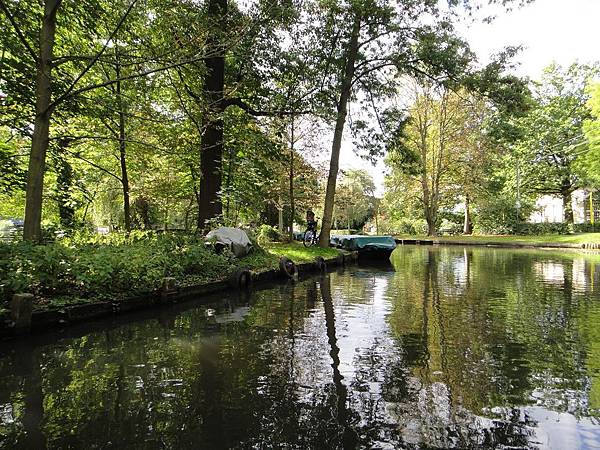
(360, 242)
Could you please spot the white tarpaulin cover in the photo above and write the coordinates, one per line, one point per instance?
(234, 238)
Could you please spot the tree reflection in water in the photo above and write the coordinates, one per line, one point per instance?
(349, 437)
(458, 348)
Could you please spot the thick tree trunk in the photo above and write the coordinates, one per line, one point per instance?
(431, 231)
(468, 224)
(270, 215)
(123, 152)
(212, 139)
(567, 208)
(342, 112)
(430, 213)
(41, 129)
(566, 192)
(64, 186)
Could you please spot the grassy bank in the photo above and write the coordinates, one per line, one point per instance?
(93, 268)
(298, 253)
(578, 238)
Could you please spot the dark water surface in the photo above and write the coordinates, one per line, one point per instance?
(455, 348)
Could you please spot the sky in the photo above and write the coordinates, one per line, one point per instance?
(563, 31)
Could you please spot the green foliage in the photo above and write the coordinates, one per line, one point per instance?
(586, 227)
(498, 215)
(112, 266)
(12, 172)
(552, 132)
(267, 233)
(589, 163)
(355, 201)
(533, 229)
(403, 226)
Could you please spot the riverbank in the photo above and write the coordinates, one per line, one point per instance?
(573, 241)
(69, 281)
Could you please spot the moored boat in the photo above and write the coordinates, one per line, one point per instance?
(371, 247)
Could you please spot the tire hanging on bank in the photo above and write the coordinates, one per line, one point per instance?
(287, 267)
(320, 264)
(241, 279)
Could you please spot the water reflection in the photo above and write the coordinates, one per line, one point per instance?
(456, 348)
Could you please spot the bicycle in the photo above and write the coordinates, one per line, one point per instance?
(310, 235)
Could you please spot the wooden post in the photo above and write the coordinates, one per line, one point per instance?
(167, 289)
(21, 307)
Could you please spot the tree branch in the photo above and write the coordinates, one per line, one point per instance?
(108, 172)
(91, 87)
(20, 34)
(243, 105)
(97, 56)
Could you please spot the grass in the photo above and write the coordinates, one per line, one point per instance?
(578, 238)
(298, 253)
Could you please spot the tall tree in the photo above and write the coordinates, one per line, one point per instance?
(426, 153)
(384, 40)
(553, 135)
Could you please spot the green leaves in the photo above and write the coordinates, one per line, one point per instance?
(105, 267)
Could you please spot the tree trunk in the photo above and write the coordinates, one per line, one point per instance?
(430, 212)
(64, 186)
(342, 112)
(468, 224)
(280, 215)
(292, 203)
(123, 149)
(567, 208)
(567, 202)
(430, 224)
(212, 140)
(32, 229)
(270, 214)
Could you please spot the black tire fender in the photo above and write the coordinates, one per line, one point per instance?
(320, 264)
(241, 279)
(287, 267)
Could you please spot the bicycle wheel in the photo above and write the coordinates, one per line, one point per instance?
(309, 238)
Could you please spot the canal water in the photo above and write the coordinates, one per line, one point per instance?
(447, 348)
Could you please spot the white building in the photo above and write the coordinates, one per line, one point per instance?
(549, 208)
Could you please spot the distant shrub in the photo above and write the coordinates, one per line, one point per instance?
(498, 215)
(586, 228)
(528, 228)
(267, 233)
(452, 228)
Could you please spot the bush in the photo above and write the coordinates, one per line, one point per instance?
(498, 215)
(117, 265)
(267, 233)
(407, 227)
(586, 228)
(528, 229)
(448, 227)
